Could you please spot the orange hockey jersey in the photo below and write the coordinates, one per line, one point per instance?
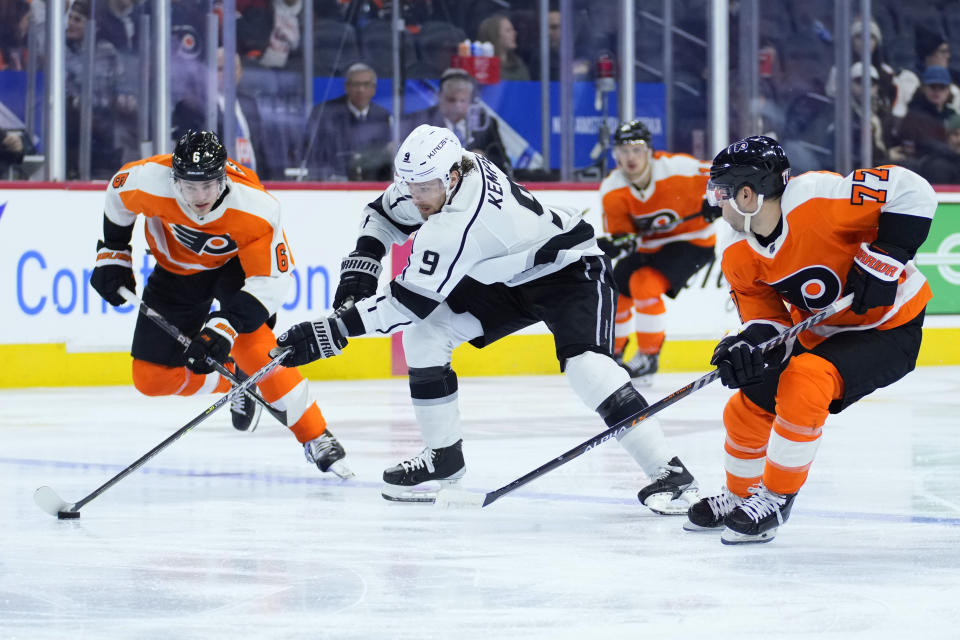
(246, 224)
(825, 217)
(677, 187)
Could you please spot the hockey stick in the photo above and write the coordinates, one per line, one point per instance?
(461, 498)
(48, 500)
(174, 333)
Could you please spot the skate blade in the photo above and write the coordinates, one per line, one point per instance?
(665, 504)
(695, 528)
(423, 492)
(453, 498)
(645, 381)
(729, 536)
(341, 470)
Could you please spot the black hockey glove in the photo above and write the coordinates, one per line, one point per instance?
(214, 341)
(618, 245)
(740, 359)
(874, 276)
(358, 277)
(112, 270)
(311, 341)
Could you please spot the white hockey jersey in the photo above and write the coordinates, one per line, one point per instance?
(491, 230)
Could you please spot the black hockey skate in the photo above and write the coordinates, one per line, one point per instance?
(672, 491)
(422, 476)
(244, 410)
(327, 453)
(708, 514)
(641, 366)
(757, 518)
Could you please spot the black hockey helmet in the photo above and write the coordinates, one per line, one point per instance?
(758, 162)
(199, 156)
(632, 132)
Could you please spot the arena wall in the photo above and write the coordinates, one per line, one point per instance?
(58, 332)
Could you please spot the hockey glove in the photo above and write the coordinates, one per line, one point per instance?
(618, 245)
(214, 341)
(874, 276)
(112, 270)
(358, 277)
(740, 359)
(312, 341)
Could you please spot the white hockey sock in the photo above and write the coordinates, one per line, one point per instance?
(645, 444)
(594, 377)
(439, 421)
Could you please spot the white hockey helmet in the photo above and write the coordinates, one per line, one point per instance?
(427, 154)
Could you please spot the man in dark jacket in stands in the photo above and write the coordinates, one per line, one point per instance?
(349, 138)
(923, 132)
(456, 110)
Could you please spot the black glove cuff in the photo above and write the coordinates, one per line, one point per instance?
(371, 246)
(113, 246)
(352, 321)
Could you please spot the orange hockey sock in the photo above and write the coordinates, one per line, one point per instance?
(647, 286)
(748, 430)
(807, 387)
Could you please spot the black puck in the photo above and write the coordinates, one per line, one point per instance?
(68, 515)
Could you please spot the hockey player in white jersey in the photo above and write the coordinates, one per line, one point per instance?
(487, 260)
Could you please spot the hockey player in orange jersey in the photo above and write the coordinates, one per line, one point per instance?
(660, 235)
(800, 246)
(216, 234)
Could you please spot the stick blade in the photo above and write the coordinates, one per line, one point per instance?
(460, 499)
(48, 500)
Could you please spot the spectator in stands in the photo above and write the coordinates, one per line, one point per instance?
(105, 76)
(11, 151)
(881, 120)
(456, 109)
(190, 113)
(884, 78)
(498, 30)
(268, 31)
(118, 22)
(350, 137)
(187, 29)
(581, 66)
(933, 50)
(923, 131)
(941, 165)
(188, 49)
(14, 22)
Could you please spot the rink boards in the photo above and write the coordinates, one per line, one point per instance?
(58, 332)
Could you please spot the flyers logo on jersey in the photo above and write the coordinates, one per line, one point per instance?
(659, 222)
(811, 288)
(200, 242)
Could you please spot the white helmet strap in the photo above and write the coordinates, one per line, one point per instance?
(747, 216)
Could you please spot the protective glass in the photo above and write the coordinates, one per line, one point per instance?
(718, 193)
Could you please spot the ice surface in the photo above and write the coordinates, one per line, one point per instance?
(233, 535)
